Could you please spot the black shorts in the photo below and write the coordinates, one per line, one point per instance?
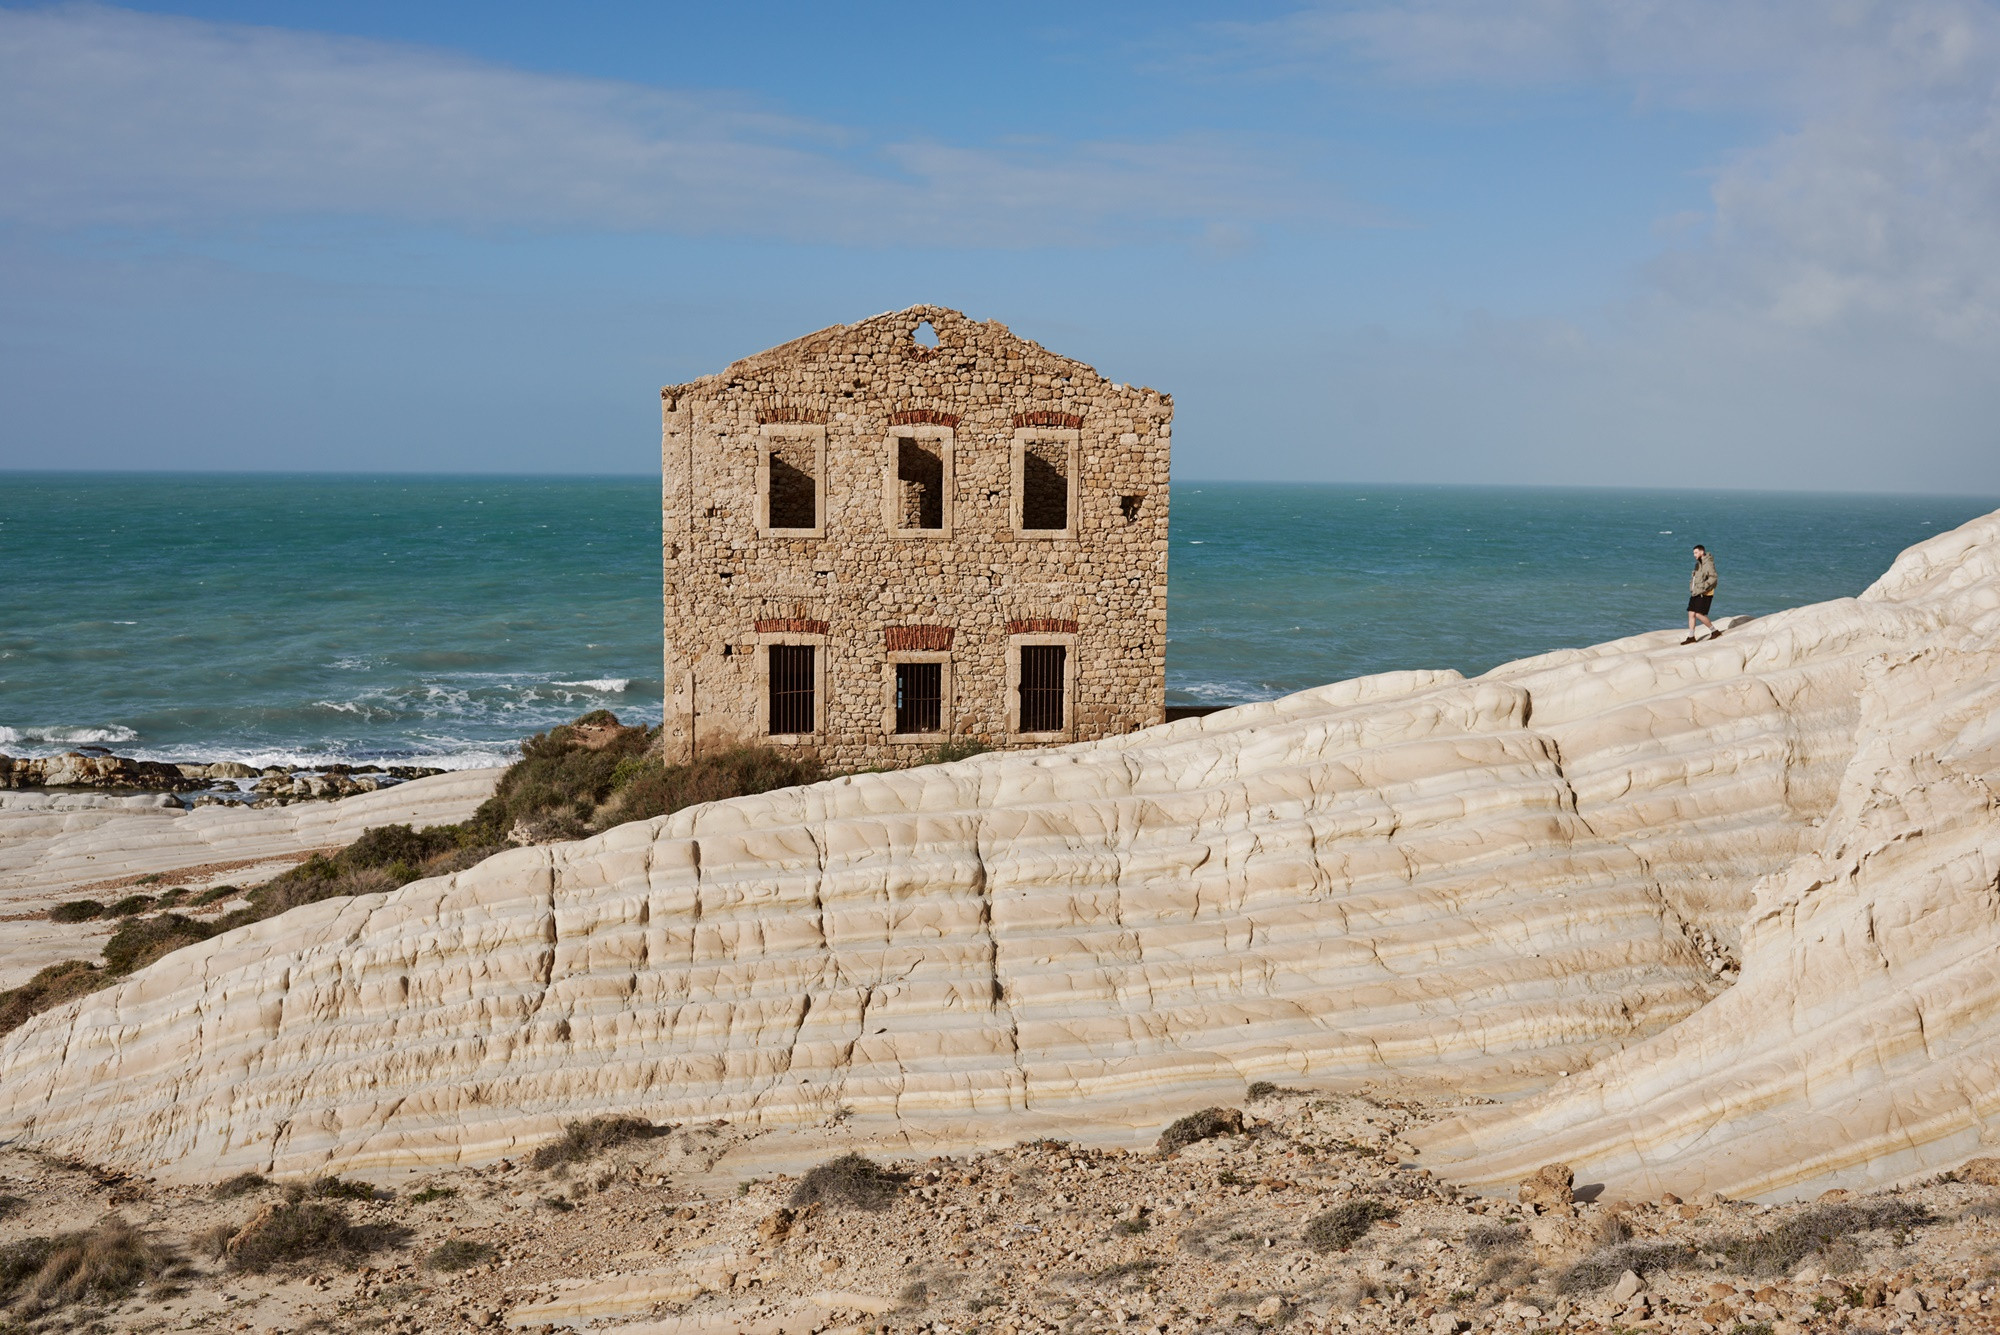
(1699, 602)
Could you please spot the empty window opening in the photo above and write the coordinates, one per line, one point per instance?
(791, 689)
(794, 490)
(919, 483)
(1129, 506)
(1045, 485)
(919, 697)
(1042, 686)
(925, 335)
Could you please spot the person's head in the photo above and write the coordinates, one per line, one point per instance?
(1699, 551)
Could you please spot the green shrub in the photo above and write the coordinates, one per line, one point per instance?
(1260, 1089)
(140, 941)
(129, 905)
(214, 893)
(76, 910)
(650, 788)
(459, 1254)
(961, 748)
(101, 1263)
(1204, 1125)
(849, 1180)
(49, 988)
(566, 771)
(1344, 1225)
(429, 1194)
(583, 1141)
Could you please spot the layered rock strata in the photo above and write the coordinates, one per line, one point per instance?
(1862, 1045)
(1491, 883)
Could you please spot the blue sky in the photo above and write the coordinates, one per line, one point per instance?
(1744, 244)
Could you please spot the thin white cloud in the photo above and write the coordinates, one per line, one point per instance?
(1874, 202)
(109, 117)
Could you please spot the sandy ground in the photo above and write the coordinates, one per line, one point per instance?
(659, 1236)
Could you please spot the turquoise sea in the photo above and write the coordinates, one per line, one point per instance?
(437, 620)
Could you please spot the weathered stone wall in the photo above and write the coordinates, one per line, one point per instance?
(995, 422)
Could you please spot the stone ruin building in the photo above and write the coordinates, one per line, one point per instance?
(912, 531)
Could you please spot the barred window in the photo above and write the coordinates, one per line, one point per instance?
(919, 697)
(1042, 687)
(792, 687)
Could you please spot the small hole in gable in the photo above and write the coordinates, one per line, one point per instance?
(925, 336)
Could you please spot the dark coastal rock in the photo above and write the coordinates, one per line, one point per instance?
(75, 769)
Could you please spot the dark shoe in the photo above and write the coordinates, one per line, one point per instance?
(1715, 635)
(1688, 640)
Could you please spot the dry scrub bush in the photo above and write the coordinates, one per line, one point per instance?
(459, 1254)
(1484, 1238)
(330, 1189)
(1604, 1266)
(581, 1142)
(101, 1263)
(848, 1180)
(1612, 1229)
(240, 1185)
(1343, 1225)
(1197, 1126)
(1819, 1229)
(306, 1231)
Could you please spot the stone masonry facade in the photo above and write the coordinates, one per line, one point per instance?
(912, 531)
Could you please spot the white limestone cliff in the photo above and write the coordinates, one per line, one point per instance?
(1478, 883)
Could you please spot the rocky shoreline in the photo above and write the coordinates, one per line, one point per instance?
(207, 783)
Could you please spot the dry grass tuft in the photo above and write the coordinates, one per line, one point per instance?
(1604, 1266)
(849, 1180)
(1197, 1126)
(331, 1189)
(1484, 1238)
(459, 1254)
(581, 1142)
(1819, 1229)
(306, 1231)
(1343, 1225)
(102, 1263)
(241, 1185)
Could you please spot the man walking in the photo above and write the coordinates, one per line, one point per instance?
(1701, 592)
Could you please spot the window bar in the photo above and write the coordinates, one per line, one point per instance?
(1042, 687)
(791, 689)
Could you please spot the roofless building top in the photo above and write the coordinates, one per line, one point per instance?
(908, 531)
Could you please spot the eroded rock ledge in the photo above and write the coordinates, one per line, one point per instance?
(1536, 878)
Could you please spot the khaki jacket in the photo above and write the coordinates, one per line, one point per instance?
(1703, 579)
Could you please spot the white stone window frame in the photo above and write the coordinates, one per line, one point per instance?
(1023, 436)
(767, 435)
(946, 712)
(1015, 643)
(892, 491)
(822, 675)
